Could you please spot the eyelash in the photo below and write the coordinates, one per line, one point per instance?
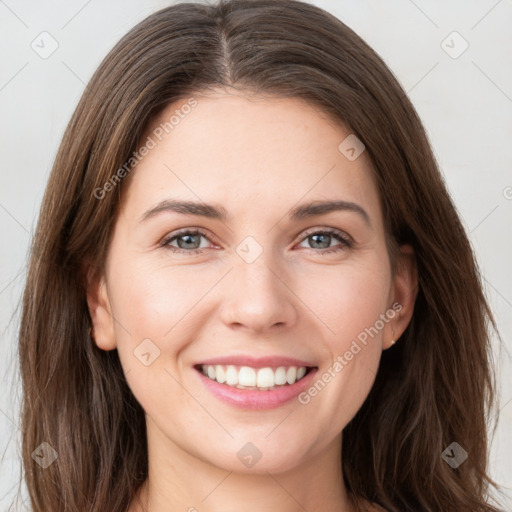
(346, 241)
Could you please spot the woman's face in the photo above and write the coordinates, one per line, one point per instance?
(267, 276)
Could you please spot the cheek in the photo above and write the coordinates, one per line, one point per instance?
(151, 299)
(350, 302)
(153, 306)
(159, 310)
(349, 299)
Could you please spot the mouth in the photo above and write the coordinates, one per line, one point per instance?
(254, 379)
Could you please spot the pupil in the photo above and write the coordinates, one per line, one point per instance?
(324, 244)
(186, 245)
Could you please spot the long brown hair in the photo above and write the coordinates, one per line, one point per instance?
(433, 388)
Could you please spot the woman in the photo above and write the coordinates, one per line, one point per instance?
(249, 287)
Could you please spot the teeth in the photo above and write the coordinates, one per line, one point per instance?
(231, 376)
(280, 376)
(266, 378)
(245, 377)
(220, 374)
(291, 374)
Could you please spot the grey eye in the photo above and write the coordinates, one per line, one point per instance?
(320, 240)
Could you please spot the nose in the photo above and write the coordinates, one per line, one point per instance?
(257, 298)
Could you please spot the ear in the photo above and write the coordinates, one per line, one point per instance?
(100, 311)
(403, 294)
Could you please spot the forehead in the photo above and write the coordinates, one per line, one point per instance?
(239, 150)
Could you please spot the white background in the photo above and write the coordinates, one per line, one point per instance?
(465, 104)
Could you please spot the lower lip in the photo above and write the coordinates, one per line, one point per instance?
(251, 399)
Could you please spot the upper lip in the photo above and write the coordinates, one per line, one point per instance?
(257, 362)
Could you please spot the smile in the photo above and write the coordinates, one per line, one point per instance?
(246, 377)
(255, 387)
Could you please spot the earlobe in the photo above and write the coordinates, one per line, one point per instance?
(98, 303)
(405, 290)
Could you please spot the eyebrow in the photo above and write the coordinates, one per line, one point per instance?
(218, 212)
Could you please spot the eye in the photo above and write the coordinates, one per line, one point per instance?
(322, 240)
(187, 241)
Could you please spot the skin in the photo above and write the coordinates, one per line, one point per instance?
(258, 157)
